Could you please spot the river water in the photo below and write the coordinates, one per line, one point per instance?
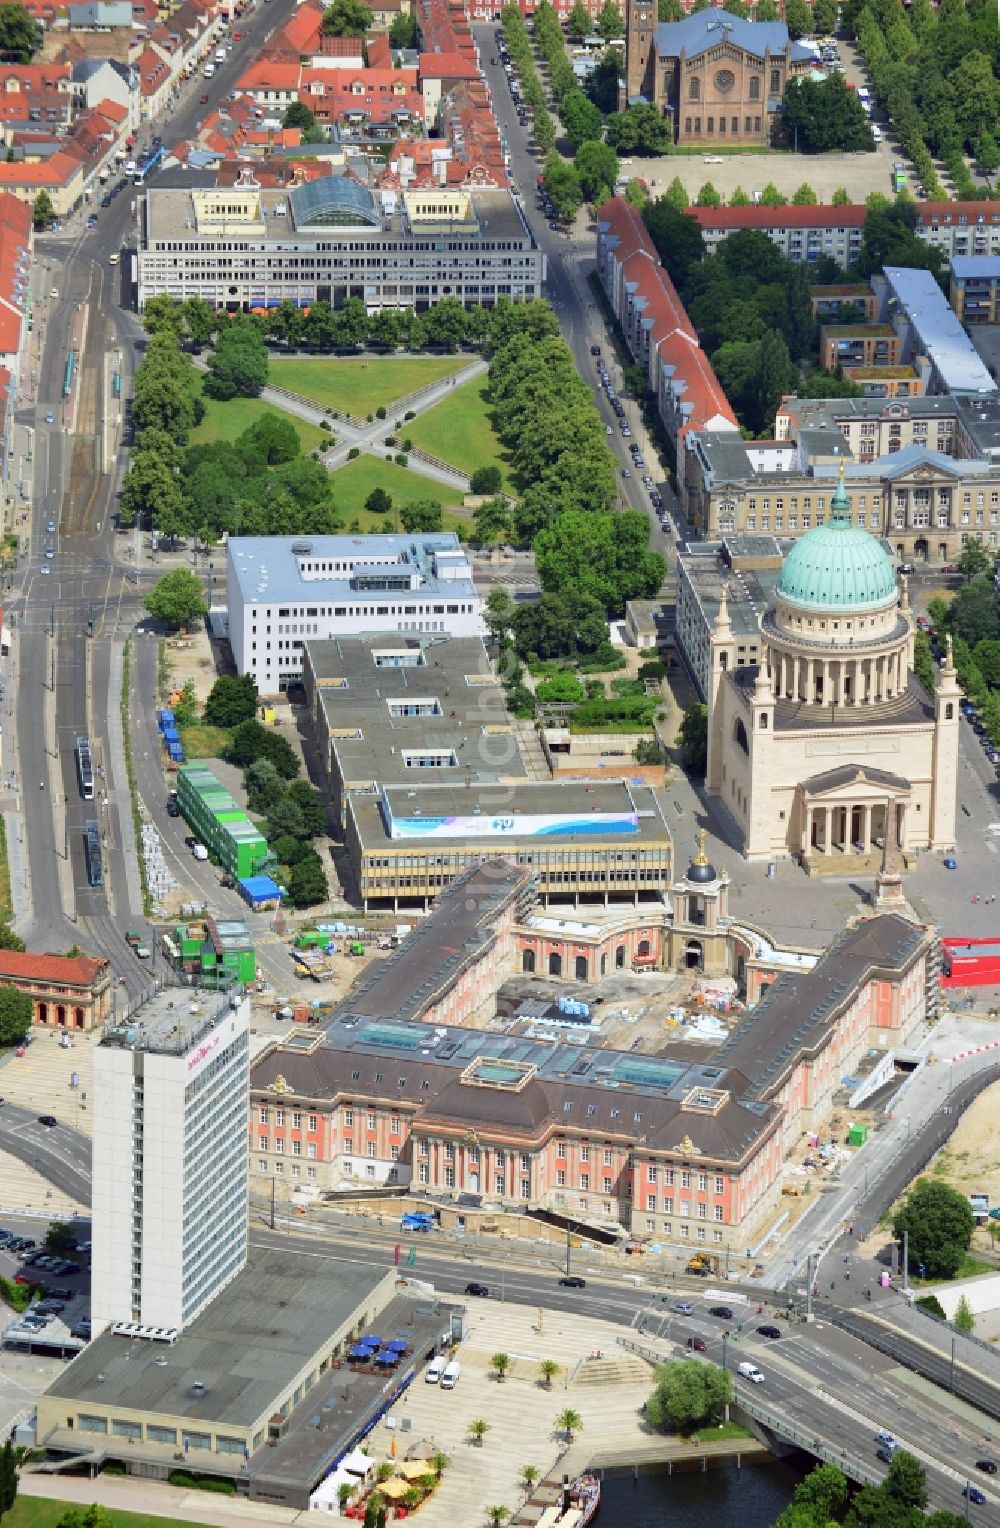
(750, 1498)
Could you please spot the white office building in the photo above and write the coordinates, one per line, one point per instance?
(171, 1093)
(284, 591)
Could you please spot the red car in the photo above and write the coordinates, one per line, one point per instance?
(237, 37)
(27, 1278)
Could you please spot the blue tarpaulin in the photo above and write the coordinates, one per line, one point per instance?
(259, 889)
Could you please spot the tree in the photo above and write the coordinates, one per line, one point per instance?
(987, 660)
(606, 556)
(153, 494)
(530, 1476)
(376, 1511)
(548, 1368)
(297, 114)
(16, 1013)
(766, 10)
(403, 32)
(200, 321)
(237, 368)
(890, 238)
(974, 560)
(841, 197)
(307, 882)
(177, 599)
(497, 1514)
(906, 1482)
(231, 700)
(43, 213)
(20, 34)
(500, 1363)
(581, 118)
(563, 186)
(486, 481)
(677, 237)
(379, 502)
(602, 82)
(973, 613)
(822, 114)
(939, 1222)
(609, 23)
(693, 738)
(478, 1428)
(708, 196)
(578, 22)
(964, 1320)
(688, 1394)
(569, 1422)
(772, 197)
(421, 515)
(9, 940)
(284, 818)
(493, 523)
(798, 18)
(639, 129)
(347, 18)
(822, 1495)
(8, 1476)
(805, 196)
(310, 805)
(264, 787)
(597, 166)
(60, 1239)
(251, 741)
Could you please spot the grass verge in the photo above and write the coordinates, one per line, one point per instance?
(130, 772)
(39, 1512)
(360, 386)
(460, 430)
(719, 1431)
(6, 901)
(226, 421)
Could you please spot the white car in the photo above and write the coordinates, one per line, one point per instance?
(876, 132)
(712, 159)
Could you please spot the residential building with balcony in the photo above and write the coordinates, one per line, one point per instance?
(858, 345)
(975, 285)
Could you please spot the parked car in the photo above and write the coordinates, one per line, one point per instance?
(482, 1290)
(47, 1119)
(988, 1466)
(573, 1281)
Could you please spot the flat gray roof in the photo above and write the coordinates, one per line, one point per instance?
(276, 568)
(243, 1350)
(172, 214)
(368, 703)
(169, 1022)
(566, 802)
(976, 267)
(940, 334)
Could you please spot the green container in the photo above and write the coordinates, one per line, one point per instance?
(857, 1135)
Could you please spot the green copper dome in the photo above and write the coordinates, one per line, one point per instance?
(837, 566)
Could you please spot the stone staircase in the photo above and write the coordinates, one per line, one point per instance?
(531, 751)
(612, 1371)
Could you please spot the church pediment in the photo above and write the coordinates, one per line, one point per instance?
(830, 783)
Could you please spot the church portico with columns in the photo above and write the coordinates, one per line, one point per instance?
(829, 746)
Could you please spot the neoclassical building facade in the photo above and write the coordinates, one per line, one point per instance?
(829, 745)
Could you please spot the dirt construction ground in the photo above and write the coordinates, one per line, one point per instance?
(971, 1160)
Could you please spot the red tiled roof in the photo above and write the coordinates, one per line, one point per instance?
(447, 66)
(111, 111)
(779, 217)
(957, 212)
(704, 403)
(54, 172)
(68, 970)
(266, 75)
(380, 52)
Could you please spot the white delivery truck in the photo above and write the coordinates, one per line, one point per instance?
(435, 1369)
(220, 55)
(450, 1377)
(750, 1372)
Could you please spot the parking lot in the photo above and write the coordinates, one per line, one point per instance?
(58, 1319)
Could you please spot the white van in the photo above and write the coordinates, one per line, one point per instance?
(435, 1369)
(750, 1372)
(209, 71)
(220, 55)
(450, 1377)
(199, 851)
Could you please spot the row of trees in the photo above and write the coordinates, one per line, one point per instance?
(448, 325)
(518, 45)
(936, 73)
(824, 1499)
(972, 618)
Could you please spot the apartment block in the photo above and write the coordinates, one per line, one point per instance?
(975, 288)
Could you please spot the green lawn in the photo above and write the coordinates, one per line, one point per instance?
(459, 430)
(361, 386)
(224, 421)
(38, 1512)
(353, 482)
(203, 741)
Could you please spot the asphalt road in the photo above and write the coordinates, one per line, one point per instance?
(568, 261)
(826, 1389)
(59, 666)
(59, 1153)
